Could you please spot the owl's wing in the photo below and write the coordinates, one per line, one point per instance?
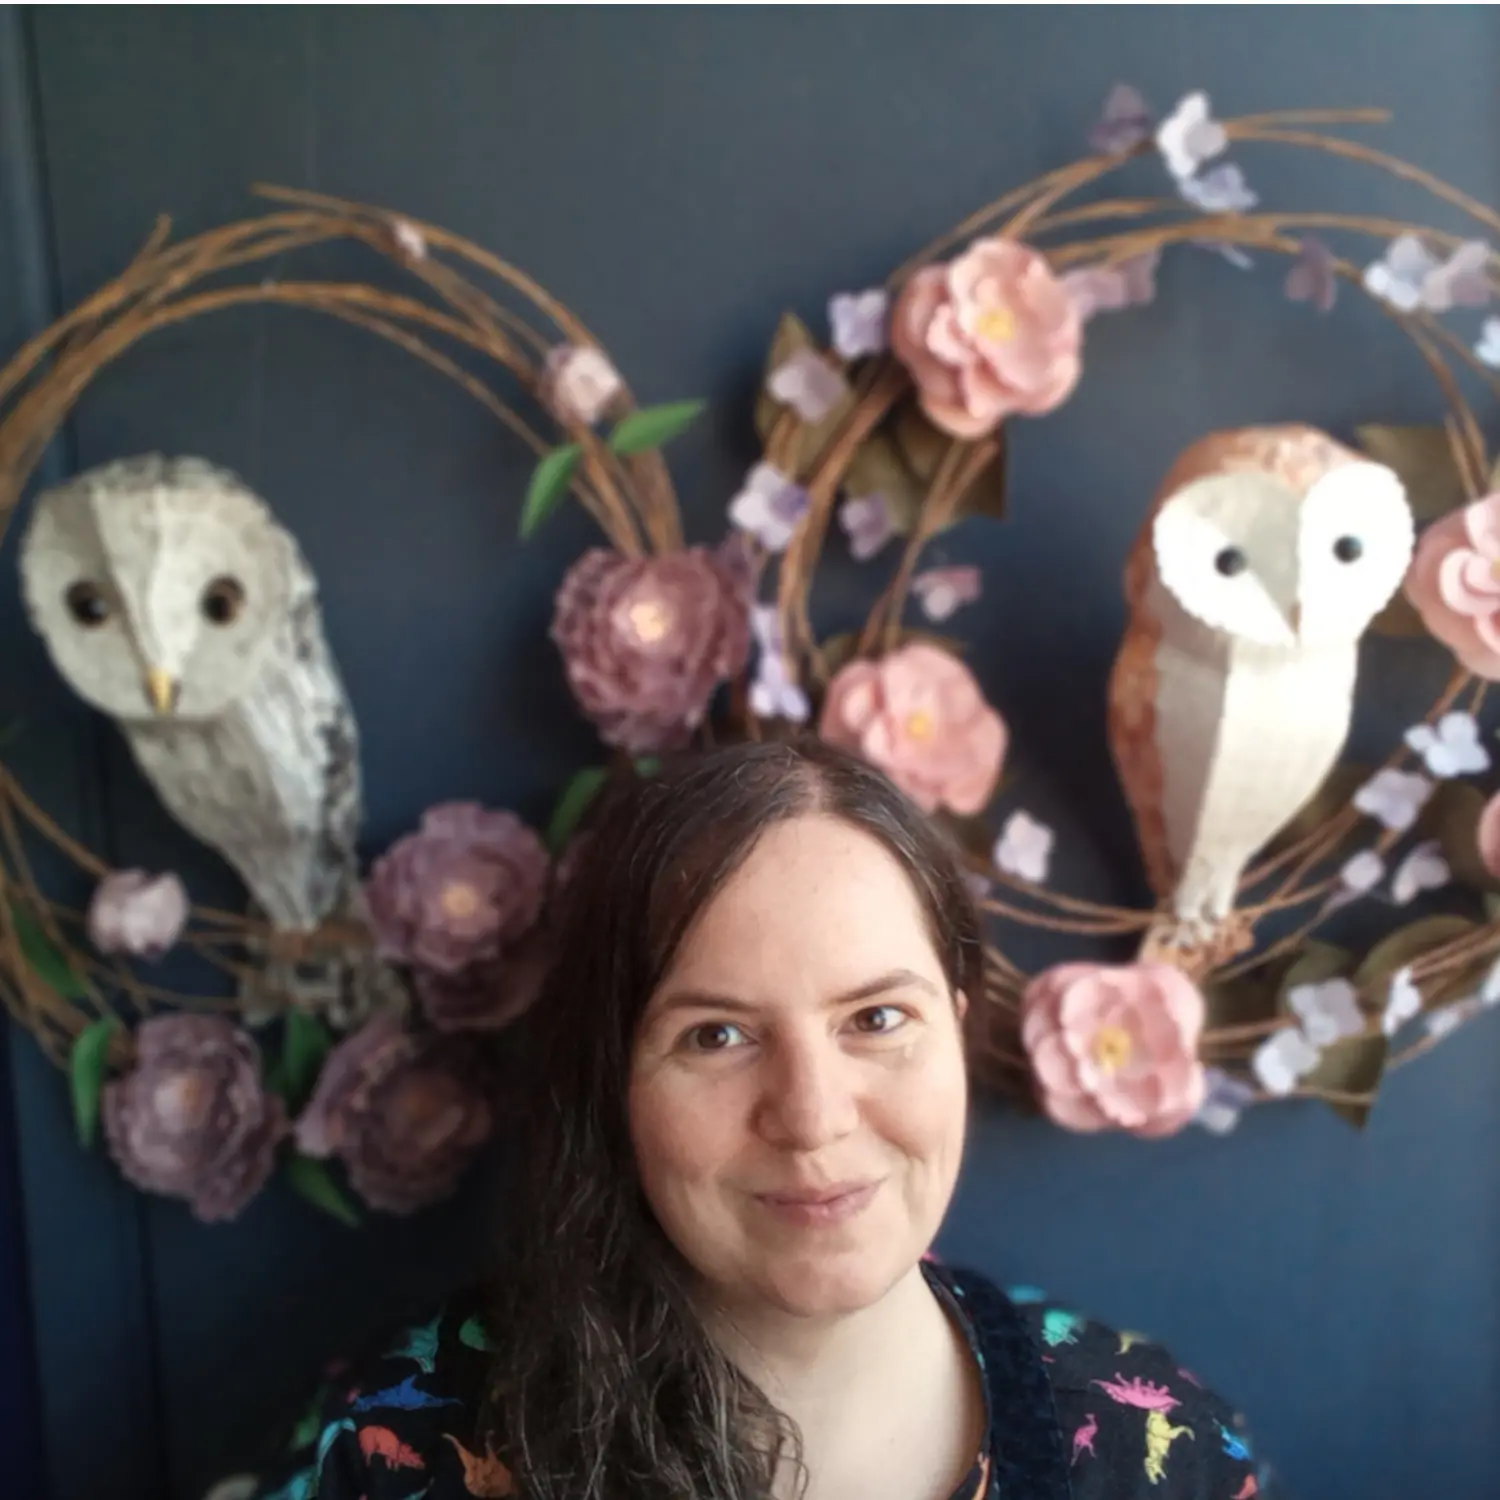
(1133, 685)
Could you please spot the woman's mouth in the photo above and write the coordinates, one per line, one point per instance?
(817, 1208)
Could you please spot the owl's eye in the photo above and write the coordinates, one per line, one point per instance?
(1230, 561)
(222, 600)
(87, 604)
(1348, 549)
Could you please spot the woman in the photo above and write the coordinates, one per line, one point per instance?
(747, 1115)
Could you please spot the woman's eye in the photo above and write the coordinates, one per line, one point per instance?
(714, 1036)
(877, 1020)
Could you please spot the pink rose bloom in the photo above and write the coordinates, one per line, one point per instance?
(1115, 1047)
(1454, 584)
(578, 383)
(1487, 835)
(919, 716)
(990, 333)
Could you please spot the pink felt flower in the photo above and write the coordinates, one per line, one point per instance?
(1454, 583)
(990, 333)
(1115, 1047)
(578, 383)
(919, 715)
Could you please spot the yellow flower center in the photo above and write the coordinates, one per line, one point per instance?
(460, 899)
(650, 619)
(997, 325)
(1495, 570)
(920, 725)
(1112, 1048)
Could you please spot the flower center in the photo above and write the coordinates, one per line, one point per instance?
(1495, 570)
(182, 1101)
(650, 619)
(997, 325)
(1112, 1048)
(459, 900)
(920, 725)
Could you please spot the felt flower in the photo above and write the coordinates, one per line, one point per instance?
(1488, 348)
(1190, 136)
(1124, 123)
(1283, 1060)
(1423, 869)
(1219, 191)
(942, 591)
(1403, 1002)
(1225, 1099)
(1487, 836)
(192, 1118)
(405, 1114)
(485, 996)
(991, 333)
(1362, 872)
(1409, 276)
(774, 692)
(1024, 848)
(466, 884)
(868, 523)
(1115, 1046)
(1450, 747)
(807, 383)
(409, 243)
(857, 321)
(1454, 583)
(1312, 277)
(1236, 257)
(919, 715)
(578, 383)
(1103, 288)
(769, 506)
(133, 911)
(646, 640)
(1328, 1011)
(1394, 798)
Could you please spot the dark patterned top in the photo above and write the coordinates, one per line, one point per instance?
(1075, 1412)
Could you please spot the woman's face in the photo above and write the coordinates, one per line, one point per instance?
(798, 1094)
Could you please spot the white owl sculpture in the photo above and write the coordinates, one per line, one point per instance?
(1265, 557)
(170, 599)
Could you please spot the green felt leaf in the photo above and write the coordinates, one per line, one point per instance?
(923, 447)
(86, 1065)
(1423, 460)
(572, 805)
(1245, 999)
(549, 483)
(305, 1043)
(653, 426)
(1315, 963)
(476, 1335)
(46, 961)
(1354, 1065)
(877, 467)
(1334, 795)
(647, 765)
(309, 1178)
(1451, 816)
(792, 335)
(1405, 946)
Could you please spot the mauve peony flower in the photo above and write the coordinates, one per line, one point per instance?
(990, 333)
(405, 1114)
(919, 715)
(578, 383)
(1454, 584)
(133, 911)
(1115, 1047)
(646, 640)
(467, 883)
(192, 1119)
(486, 996)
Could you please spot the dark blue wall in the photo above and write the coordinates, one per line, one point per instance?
(680, 176)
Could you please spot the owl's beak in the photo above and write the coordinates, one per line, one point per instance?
(162, 688)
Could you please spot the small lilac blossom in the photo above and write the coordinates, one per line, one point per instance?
(1236, 257)
(1282, 1061)
(1394, 798)
(135, 912)
(1222, 190)
(1446, 1021)
(1460, 281)
(1190, 136)
(1403, 1002)
(1489, 991)
(1225, 1100)
(1024, 848)
(941, 592)
(774, 693)
(1487, 350)
(1125, 122)
(1451, 747)
(868, 523)
(769, 506)
(410, 242)
(1101, 288)
(1329, 1011)
(1312, 277)
(1409, 276)
(807, 383)
(979, 885)
(1423, 869)
(857, 321)
(1362, 872)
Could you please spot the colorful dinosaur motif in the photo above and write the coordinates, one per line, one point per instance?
(420, 1344)
(1137, 1392)
(476, 1335)
(405, 1397)
(1249, 1490)
(1083, 1439)
(1128, 1340)
(381, 1442)
(1160, 1434)
(485, 1477)
(1060, 1326)
(1234, 1445)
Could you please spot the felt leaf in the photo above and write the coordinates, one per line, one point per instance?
(647, 765)
(549, 483)
(1423, 460)
(1451, 816)
(654, 425)
(878, 468)
(86, 1064)
(1408, 944)
(43, 956)
(1315, 963)
(311, 1179)
(1492, 906)
(792, 335)
(1245, 999)
(1338, 788)
(1354, 1065)
(305, 1043)
(572, 805)
(923, 447)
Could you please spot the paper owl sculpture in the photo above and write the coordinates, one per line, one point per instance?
(171, 600)
(1266, 555)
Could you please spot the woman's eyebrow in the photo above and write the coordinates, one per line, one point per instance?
(896, 979)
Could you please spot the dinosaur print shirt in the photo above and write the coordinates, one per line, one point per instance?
(1076, 1411)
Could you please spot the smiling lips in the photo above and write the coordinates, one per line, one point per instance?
(821, 1207)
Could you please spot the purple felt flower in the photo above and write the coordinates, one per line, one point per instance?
(1221, 190)
(807, 383)
(1224, 1101)
(1312, 277)
(857, 322)
(1190, 136)
(1487, 349)
(774, 692)
(1101, 288)
(1125, 122)
(1409, 276)
(487, 996)
(868, 523)
(941, 592)
(769, 506)
(133, 911)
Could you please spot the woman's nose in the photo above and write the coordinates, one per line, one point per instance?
(809, 1094)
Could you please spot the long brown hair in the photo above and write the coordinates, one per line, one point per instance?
(606, 1385)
